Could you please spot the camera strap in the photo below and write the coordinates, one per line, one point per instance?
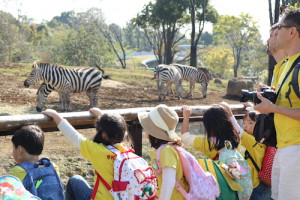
(286, 76)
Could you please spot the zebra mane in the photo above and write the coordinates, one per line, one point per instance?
(47, 64)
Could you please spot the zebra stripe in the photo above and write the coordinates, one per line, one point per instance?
(168, 74)
(67, 80)
(192, 75)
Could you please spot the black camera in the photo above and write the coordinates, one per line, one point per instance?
(266, 92)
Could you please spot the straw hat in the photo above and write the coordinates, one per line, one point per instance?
(160, 123)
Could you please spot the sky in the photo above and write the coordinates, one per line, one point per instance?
(121, 11)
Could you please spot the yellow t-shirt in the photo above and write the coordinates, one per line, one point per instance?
(288, 129)
(257, 153)
(102, 160)
(278, 69)
(169, 158)
(201, 144)
(20, 172)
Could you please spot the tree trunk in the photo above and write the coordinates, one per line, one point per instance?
(193, 56)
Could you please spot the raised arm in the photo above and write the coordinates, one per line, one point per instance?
(65, 127)
(235, 124)
(186, 112)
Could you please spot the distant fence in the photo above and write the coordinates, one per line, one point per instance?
(83, 120)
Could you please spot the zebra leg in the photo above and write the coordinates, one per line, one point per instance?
(93, 97)
(179, 89)
(68, 102)
(160, 91)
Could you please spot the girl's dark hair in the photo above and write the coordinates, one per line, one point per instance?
(217, 124)
(31, 138)
(252, 115)
(114, 126)
(156, 143)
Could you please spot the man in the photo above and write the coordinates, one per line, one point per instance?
(279, 55)
(286, 166)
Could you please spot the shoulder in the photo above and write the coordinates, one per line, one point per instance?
(18, 172)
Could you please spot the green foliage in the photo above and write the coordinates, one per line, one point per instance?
(218, 60)
(237, 32)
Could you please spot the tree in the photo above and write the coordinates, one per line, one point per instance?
(218, 60)
(114, 36)
(161, 22)
(238, 32)
(201, 12)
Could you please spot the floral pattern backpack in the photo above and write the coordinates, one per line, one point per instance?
(11, 188)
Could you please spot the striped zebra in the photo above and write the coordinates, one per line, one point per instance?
(165, 74)
(192, 75)
(67, 80)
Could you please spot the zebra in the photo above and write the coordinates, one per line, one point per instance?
(193, 75)
(67, 80)
(42, 95)
(168, 74)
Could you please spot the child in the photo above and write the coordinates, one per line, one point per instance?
(28, 144)
(111, 129)
(159, 125)
(256, 151)
(222, 137)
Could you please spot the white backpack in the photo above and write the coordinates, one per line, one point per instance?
(134, 179)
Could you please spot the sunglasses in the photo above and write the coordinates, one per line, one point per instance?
(279, 26)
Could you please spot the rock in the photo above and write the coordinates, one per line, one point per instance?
(235, 86)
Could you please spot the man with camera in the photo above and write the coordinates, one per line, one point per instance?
(286, 109)
(279, 55)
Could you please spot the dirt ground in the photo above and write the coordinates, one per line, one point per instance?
(15, 99)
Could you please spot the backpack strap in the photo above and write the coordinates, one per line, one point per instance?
(294, 84)
(247, 155)
(177, 185)
(100, 178)
(287, 74)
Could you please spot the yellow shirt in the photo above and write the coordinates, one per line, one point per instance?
(257, 153)
(102, 160)
(278, 69)
(20, 172)
(169, 158)
(201, 144)
(288, 129)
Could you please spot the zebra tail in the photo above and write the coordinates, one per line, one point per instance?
(100, 69)
(106, 76)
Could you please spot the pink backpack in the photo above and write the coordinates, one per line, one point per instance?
(202, 185)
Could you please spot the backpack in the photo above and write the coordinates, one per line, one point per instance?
(202, 185)
(134, 179)
(11, 188)
(42, 180)
(228, 187)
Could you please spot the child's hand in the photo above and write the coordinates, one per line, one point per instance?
(186, 111)
(226, 107)
(96, 111)
(53, 114)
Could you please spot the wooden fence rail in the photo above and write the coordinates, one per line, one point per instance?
(85, 119)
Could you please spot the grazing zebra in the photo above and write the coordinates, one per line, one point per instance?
(168, 74)
(193, 75)
(67, 80)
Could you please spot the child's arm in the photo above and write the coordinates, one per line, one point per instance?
(186, 112)
(187, 139)
(235, 124)
(168, 183)
(65, 127)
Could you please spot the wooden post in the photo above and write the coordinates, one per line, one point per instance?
(135, 130)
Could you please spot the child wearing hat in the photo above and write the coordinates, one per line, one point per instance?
(159, 125)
